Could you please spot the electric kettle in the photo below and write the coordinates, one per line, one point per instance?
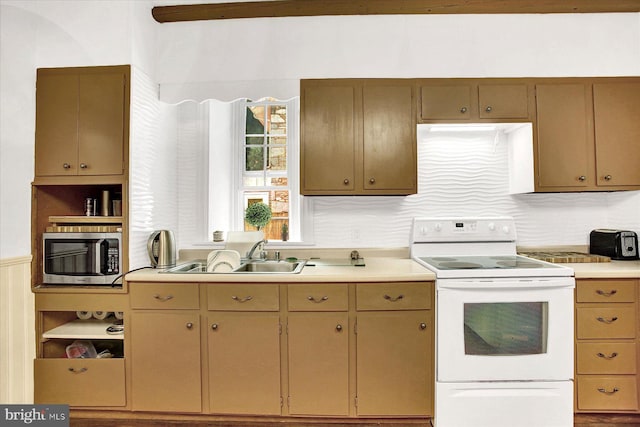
(162, 249)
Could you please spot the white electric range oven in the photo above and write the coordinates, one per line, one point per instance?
(504, 328)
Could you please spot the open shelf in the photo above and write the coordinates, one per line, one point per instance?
(90, 329)
(77, 219)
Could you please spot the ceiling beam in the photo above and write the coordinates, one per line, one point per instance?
(290, 8)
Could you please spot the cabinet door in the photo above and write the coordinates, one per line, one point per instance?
(244, 363)
(318, 363)
(395, 363)
(328, 138)
(101, 121)
(617, 129)
(565, 156)
(56, 125)
(389, 139)
(165, 367)
(503, 101)
(449, 102)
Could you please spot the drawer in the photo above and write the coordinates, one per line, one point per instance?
(79, 382)
(607, 393)
(605, 291)
(178, 296)
(394, 296)
(606, 358)
(241, 297)
(610, 321)
(324, 297)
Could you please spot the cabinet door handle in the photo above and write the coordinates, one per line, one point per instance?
(463, 110)
(582, 178)
(317, 301)
(604, 356)
(78, 371)
(163, 299)
(605, 293)
(339, 327)
(488, 109)
(346, 181)
(608, 321)
(423, 326)
(83, 166)
(66, 166)
(615, 390)
(607, 177)
(392, 299)
(245, 299)
(372, 180)
(214, 326)
(189, 325)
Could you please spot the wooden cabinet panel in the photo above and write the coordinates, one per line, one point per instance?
(164, 296)
(504, 101)
(165, 366)
(617, 129)
(453, 102)
(394, 296)
(80, 382)
(610, 321)
(607, 393)
(243, 297)
(318, 297)
(395, 363)
(564, 153)
(606, 358)
(609, 290)
(389, 140)
(328, 144)
(318, 363)
(244, 363)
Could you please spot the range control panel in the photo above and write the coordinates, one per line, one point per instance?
(488, 229)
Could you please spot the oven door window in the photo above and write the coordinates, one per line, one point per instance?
(79, 257)
(499, 329)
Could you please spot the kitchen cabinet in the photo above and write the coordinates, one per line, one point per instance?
(244, 349)
(587, 135)
(606, 345)
(62, 380)
(318, 350)
(466, 100)
(358, 137)
(82, 121)
(395, 346)
(165, 340)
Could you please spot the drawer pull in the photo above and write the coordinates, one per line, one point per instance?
(398, 298)
(339, 327)
(163, 299)
(423, 326)
(189, 325)
(614, 391)
(317, 301)
(245, 299)
(606, 294)
(611, 356)
(214, 326)
(78, 371)
(607, 321)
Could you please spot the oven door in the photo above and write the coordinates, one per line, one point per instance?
(505, 329)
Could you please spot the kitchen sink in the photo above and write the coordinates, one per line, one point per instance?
(250, 267)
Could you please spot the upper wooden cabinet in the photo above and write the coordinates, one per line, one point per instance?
(465, 100)
(82, 121)
(358, 137)
(587, 135)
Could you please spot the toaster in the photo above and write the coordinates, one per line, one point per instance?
(616, 244)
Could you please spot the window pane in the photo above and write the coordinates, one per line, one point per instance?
(253, 180)
(277, 140)
(254, 140)
(277, 120)
(277, 158)
(278, 181)
(255, 120)
(278, 201)
(505, 328)
(254, 160)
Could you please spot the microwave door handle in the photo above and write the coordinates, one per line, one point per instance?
(102, 253)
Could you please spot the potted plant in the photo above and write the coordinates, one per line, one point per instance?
(258, 214)
(285, 232)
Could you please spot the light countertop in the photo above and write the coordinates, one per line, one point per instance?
(602, 270)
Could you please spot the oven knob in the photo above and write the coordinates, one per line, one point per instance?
(438, 226)
(505, 229)
(492, 226)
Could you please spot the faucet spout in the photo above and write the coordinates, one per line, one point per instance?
(254, 247)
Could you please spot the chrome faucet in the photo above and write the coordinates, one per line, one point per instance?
(254, 247)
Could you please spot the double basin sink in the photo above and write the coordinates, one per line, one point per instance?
(251, 267)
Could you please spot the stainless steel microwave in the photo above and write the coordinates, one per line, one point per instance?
(81, 258)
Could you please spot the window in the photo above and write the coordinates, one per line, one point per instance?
(269, 168)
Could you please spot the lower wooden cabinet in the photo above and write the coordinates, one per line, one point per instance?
(607, 393)
(165, 367)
